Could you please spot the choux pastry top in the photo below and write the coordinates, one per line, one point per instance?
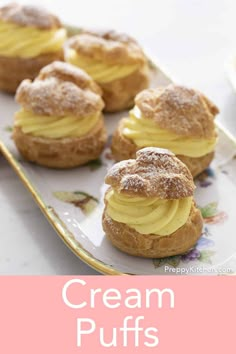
(63, 101)
(175, 117)
(152, 194)
(105, 57)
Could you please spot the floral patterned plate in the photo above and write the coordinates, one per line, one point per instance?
(72, 201)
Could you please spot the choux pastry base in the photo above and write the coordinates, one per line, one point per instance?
(153, 246)
(119, 94)
(197, 165)
(124, 149)
(15, 70)
(61, 153)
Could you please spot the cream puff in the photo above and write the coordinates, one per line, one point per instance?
(175, 118)
(149, 208)
(60, 124)
(115, 61)
(30, 38)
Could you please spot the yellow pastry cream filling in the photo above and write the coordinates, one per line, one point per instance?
(29, 42)
(148, 215)
(53, 127)
(144, 132)
(99, 71)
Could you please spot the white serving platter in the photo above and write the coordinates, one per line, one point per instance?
(72, 201)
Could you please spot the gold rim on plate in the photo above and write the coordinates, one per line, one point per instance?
(58, 225)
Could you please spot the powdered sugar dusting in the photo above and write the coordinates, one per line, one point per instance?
(29, 15)
(155, 172)
(182, 110)
(110, 47)
(67, 72)
(134, 182)
(58, 92)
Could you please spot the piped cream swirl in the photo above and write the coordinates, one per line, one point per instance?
(54, 127)
(99, 71)
(29, 42)
(145, 132)
(148, 215)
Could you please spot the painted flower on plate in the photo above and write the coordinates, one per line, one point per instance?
(212, 215)
(86, 202)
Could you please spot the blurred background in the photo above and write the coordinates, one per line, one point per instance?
(190, 39)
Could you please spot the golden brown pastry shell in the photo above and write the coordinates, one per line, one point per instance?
(132, 242)
(124, 149)
(197, 165)
(15, 70)
(112, 48)
(109, 47)
(60, 89)
(29, 15)
(179, 109)
(61, 153)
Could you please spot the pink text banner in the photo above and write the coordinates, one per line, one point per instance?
(93, 315)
